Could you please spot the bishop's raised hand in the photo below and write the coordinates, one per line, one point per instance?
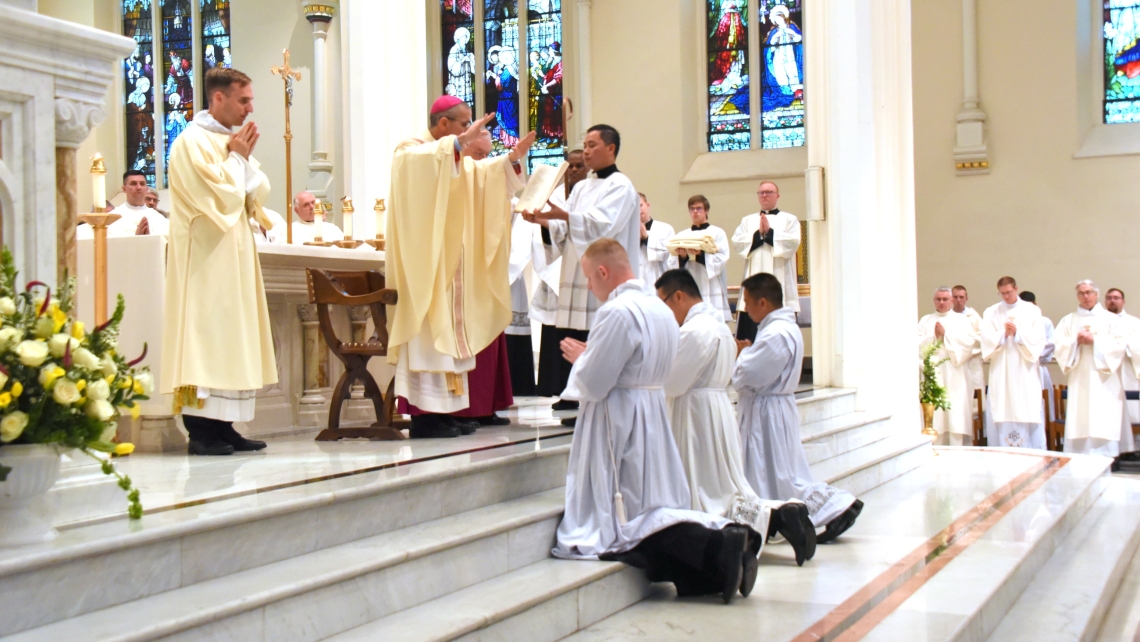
(522, 148)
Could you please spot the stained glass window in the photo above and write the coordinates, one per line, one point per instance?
(501, 82)
(544, 63)
(138, 70)
(457, 18)
(729, 109)
(782, 58)
(178, 88)
(1121, 61)
(215, 16)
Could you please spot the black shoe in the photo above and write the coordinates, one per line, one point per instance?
(493, 420)
(215, 448)
(431, 427)
(1130, 457)
(1115, 468)
(564, 404)
(731, 553)
(839, 525)
(465, 426)
(793, 523)
(750, 563)
(232, 437)
(570, 422)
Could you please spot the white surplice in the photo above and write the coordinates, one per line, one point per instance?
(974, 365)
(1046, 358)
(655, 257)
(306, 232)
(711, 278)
(522, 258)
(766, 376)
(777, 256)
(623, 432)
(956, 425)
(1130, 332)
(599, 208)
(704, 421)
(1015, 404)
(130, 216)
(1094, 413)
(277, 234)
(547, 263)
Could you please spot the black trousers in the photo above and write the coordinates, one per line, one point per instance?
(520, 357)
(553, 370)
(685, 554)
(206, 430)
(745, 327)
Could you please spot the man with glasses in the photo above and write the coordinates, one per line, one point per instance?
(768, 240)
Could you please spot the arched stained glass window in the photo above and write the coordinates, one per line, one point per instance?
(178, 88)
(501, 82)
(765, 35)
(215, 16)
(544, 104)
(458, 20)
(138, 70)
(1121, 61)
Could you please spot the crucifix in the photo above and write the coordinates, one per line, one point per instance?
(289, 76)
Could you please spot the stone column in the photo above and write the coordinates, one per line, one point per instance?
(970, 150)
(74, 120)
(313, 409)
(583, 115)
(320, 167)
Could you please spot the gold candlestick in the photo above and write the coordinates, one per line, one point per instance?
(347, 209)
(99, 222)
(320, 211)
(98, 183)
(378, 242)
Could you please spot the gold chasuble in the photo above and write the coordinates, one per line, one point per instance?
(216, 334)
(447, 255)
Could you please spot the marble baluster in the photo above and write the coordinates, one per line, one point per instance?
(313, 409)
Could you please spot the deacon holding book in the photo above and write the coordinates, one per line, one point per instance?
(447, 256)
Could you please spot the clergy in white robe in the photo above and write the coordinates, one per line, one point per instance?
(766, 375)
(213, 363)
(626, 494)
(955, 426)
(1013, 339)
(1090, 351)
(1045, 360)
(977, 373)
(132, 212)
(704, 421)
(276, 234)
(768, 241)
(306, 229)
(1129, 329)
(520, 347)
(708, 268)
(655, 257)
(604, 205)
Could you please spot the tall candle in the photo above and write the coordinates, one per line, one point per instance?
(318, 221)
(98, 183)
(346, 207)
(380, 219)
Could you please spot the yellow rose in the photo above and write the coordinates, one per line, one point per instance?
(17, 389)
(5, 399)
(65, 392)
(98, 390)
(12, 425)
(49, 373)
(58, 345)
(144, 380)
(84, 358)
(7, 306)
(77, 329)
(58, 317)
(103, 411)
(124, 449)
(32, 353)
(81, 384)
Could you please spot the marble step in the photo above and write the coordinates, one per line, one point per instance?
(967, 599)
(875, 464)
(1071, 594)
(825, 403)
(1122, 622)
(323, 593)
(834, 436)
(120, 562)
(547, 600)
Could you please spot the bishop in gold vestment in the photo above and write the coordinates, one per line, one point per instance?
(217, 345)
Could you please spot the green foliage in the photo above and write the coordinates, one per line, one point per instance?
(930, 390)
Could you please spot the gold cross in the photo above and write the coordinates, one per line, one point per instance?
(288, 75)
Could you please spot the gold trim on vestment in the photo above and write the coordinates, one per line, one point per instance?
(187, 397)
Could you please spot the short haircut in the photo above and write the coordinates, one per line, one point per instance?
(133, 172)
(1088, 283)
(606, 251)
(700, 198)
(222, 79)
(1027, 296)
(678, 280)
(610, 136)
(451, 114)
(643, 196)
(1111, 290)
(943, 288)
(1007, 280)
(574, 152)
(152, 190)
(958, 287)
(772, 183)
(764, 286)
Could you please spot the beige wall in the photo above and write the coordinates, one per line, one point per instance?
(1041, 216)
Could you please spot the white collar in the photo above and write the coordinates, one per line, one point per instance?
(207, 122)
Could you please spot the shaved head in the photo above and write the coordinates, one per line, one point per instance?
(606, 266)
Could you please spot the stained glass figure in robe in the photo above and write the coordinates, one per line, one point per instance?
(782, 94)
(545, 102)
(215, 16)
(729, 107)
(178, 88)
(138, 76)
(1121, 61)
(501, 79)
(457, 18)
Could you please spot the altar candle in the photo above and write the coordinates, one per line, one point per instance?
(98, 183)
(318, 221)
(380, 222)
(346, 207)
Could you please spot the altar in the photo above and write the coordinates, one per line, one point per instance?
(299, 402)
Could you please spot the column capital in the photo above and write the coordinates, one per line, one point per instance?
(74, 120)
(323, 11)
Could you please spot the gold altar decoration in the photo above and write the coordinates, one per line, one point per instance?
(380, 208)
(289, 77)
(347, 209)
(99, 220)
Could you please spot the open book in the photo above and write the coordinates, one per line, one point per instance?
(539, 186)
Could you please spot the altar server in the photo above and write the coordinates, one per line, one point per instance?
(1013, 339)
(768, 241)
(1090, 351)
(974, 365)
(626, 496)
(447, 255)
(602, 206)
(305, 228)
(708, 268)
(704, 421)
(520, 346)
(955, 426)
(1129, 328)
(655, 257)
(214, 359)
(766, 375)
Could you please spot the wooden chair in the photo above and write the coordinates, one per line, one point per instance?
(1055, 426)
(327, 287)
(980, 419)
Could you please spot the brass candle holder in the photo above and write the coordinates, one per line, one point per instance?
(99, 220)
(347, 210)
(321, 211)
(378, 242)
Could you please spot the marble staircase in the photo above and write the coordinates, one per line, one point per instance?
(452, 548)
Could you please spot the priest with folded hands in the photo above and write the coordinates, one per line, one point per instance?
(626, 495)
(956, 336)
